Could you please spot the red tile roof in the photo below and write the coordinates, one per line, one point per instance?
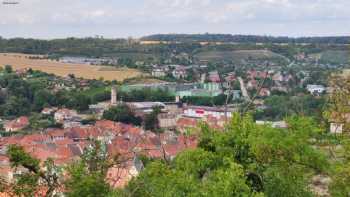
(17, 124)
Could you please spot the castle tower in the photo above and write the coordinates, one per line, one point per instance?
(114, 95)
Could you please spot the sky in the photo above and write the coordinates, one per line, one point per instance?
(49, 19)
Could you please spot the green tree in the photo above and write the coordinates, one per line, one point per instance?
(87, 176)
(244, 160)
(122, 113)
(42, 98)
(34, 177)
(16, 106)
(151, 120)
(8, 69)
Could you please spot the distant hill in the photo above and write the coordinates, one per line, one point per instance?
(245, 38)
(238, 56)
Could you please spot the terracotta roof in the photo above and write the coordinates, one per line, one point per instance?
(17, 124)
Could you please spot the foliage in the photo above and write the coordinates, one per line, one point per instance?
(27, 182)
(122, 113)
(338, 112)
(278, 107)
(206, 101)
(87, 176)
(243, 38)
(146, 94)
(151, 120)
(245, 160)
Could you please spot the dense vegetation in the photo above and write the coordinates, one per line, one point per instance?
(245, 38)
(133, 54)
(278, 107)
(244, 160)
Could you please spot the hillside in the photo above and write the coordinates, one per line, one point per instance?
(244, 38)
(335, 56)
(238, 55)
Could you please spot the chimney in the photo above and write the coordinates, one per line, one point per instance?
(114, 95)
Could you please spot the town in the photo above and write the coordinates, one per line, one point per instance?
(163, 113)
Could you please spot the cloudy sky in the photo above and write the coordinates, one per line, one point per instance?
(123, 18)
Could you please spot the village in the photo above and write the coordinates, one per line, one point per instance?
(156, 116)
(178, 121)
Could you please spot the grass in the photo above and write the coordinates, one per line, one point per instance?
(20, 61)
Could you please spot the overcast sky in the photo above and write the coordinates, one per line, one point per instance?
(123, 18)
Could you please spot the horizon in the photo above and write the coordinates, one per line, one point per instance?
(103, 37)
(49, 19)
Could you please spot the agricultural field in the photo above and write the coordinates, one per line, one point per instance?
(21, 61)
(239, 55)
(335, 57)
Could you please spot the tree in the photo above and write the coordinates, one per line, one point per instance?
(338, 111)
(244, 160)
(87, 176)
(16, 106)
(8, 69)
(122, 113)
(31, 181)
(151, 120)
(42, 98)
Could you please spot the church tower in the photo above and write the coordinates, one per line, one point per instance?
(114, 95)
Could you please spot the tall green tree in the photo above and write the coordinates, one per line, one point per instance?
(243, 160)
(122, 113)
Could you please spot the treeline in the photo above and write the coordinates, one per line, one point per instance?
(246, 38)
(72, 46)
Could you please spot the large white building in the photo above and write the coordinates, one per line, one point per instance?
(203, 111)
(316, 89)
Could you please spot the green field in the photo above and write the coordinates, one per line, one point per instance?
(335, 57)
(137, 56)
(238, 56)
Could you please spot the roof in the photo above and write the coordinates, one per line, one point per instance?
(18, 123)
(142, 105)
(212, 109)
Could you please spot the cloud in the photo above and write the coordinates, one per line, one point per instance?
(138, 17)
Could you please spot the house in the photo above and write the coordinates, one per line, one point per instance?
(264, 92)
(214, 77)
(159, 72)
(336, 128)
(262, 74)
(167, 121)
(280, 89)
(120, 175)
(277, 77)
(17, 124)
(316, 89)
(141, 108)
(276, 124)
(252, 74)
(49, 111)
(185, 123)
(252, 84)
(339, 123)
(202, 111)
(179, 72)
(64, 114)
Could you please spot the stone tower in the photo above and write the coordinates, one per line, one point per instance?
(114, 95)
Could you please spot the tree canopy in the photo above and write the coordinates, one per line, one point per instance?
(245, 160)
